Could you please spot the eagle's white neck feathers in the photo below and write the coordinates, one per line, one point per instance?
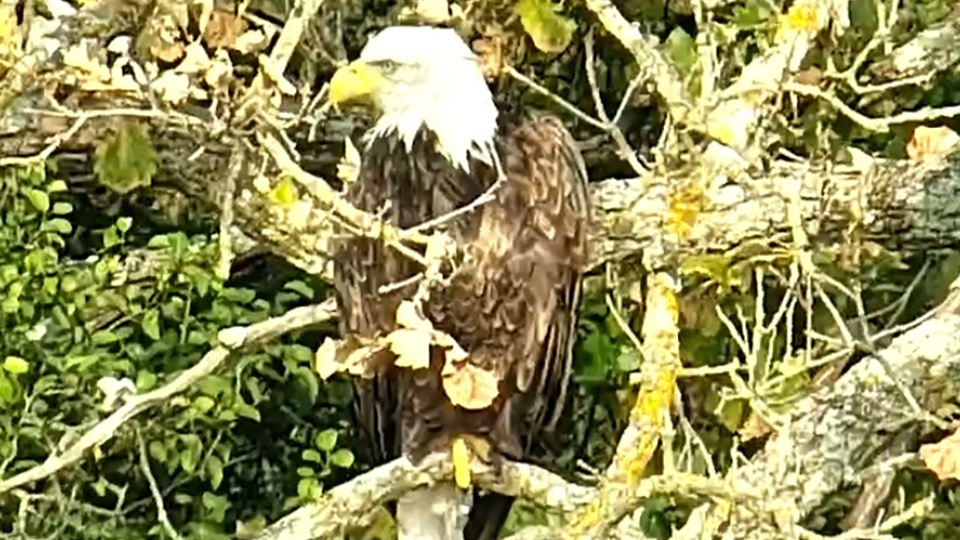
(434, 82)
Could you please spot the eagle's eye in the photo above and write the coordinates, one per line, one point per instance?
(387, 65)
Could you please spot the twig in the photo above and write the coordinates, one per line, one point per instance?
(485, 197)
(366, 224)
(648, 58)
(276, 63)
(157, 497)
(81, 118)
(237, 164)
(623, 147)
(232, 339)
(879, 125)
(572, 109)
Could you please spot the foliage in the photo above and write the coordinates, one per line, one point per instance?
(142, 308)
(98, 299)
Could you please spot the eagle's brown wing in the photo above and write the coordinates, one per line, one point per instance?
(517, 305)
(404, 187)
(512, 306)
(512, 303)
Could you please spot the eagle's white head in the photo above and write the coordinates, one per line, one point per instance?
(419, 76)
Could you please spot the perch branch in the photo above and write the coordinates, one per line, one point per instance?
(337, 511)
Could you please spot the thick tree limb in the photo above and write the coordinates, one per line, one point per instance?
(829, 437)
(338, 511)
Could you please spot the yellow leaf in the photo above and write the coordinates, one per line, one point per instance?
(326, 359)
(284, 193)
(412, 347)
(408, 316)
(461, 463)
(550, 31)
(470, 386)
(943, 458)
(804, 16)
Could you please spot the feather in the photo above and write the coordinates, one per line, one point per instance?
(511, 305)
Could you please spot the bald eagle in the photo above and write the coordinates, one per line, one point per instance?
(437, 145)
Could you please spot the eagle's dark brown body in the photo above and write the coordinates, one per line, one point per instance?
(511, 305)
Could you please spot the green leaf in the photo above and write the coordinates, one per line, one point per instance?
(215, 386)
(216, 505)
(56, 186)
(39, 199)
(215, 471)
(151, 324)
(311, 455)
(326, 440)
(204, 404)
(628, 360)
(550, 31)
(298, 353)
(300, 287)
(342, 458)
(123, 224)
(751, 15)
(239, 295)
(190, 456)
(159, 241)
(110, 237)
(57, 225)
(15, 365)
(308, 377)
(306, 472)
(50, 285)
(682, 49)
(62, 208)
(157, 450)
(246, 411)
(308, 487)
(104, 337)
(146, 380)
(7, 390)
(127, 160)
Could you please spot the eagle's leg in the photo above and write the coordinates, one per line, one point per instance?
(437, 512)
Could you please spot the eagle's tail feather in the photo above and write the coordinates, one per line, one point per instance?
(488, 516)
(437, 512)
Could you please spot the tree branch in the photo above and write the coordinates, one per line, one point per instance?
(826, 436)
(232, 339)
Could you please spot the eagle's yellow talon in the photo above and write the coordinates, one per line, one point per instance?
(461, 463)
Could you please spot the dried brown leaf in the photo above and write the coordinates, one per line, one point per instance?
(353, 355)
(930, 144)
(943, 458)
(412, 347)
(408, 316)
(470, 386)
(325, 361)
(223, 29)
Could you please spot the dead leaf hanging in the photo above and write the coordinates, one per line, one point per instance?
(470, 386)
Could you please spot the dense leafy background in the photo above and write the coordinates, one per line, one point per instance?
(106, 280)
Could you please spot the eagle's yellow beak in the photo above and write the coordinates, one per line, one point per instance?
(355, 81)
